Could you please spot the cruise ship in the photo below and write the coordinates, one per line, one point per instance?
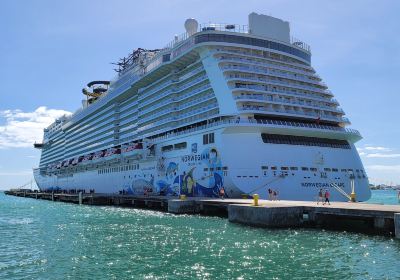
(223, 106)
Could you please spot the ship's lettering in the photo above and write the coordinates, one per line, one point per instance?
(193, 158)
(320, 185)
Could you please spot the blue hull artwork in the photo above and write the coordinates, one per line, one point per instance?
(188, 184)
(203, 178)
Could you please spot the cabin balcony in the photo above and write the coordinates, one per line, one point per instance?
(264, 71)
(242, 78)
(264, 89)
(265, 99)
(291, 112)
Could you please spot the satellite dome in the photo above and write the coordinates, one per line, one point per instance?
(191, 26)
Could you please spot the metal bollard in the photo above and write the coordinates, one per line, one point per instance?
(255, 199)
(353, 197)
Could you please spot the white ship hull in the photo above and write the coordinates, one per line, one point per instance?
(238, 166)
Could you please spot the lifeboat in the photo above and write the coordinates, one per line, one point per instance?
(132, 149)
(112, 153)
(67, 162)
(98, 156)
(77, 160)
(59, 164)
(87, 159)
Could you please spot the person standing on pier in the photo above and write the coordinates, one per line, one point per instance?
(221, 193)
(320, 197)
(327, 195)
(269, 194)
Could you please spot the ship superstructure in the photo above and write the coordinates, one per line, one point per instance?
(222, 106)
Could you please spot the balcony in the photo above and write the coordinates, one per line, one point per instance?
(265, 71)
(264, 89)
(224, 60)
(294, 113)
(283, 101)
(240, 122)
(176, 90)
(254, 55)
(235, 77)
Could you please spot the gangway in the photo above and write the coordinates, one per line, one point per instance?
(281, 176)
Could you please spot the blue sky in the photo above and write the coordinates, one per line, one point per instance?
(50, 49)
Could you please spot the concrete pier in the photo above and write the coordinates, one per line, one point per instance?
(275, 217)
(359, 217)
(397, 225)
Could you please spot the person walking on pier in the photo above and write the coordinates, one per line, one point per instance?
(221, 193)
(320, 197)
(269, 194)
(327, 195)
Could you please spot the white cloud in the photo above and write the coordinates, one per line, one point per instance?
(377, 148)
(22, 129)
(391, 168)
(380, 155)
(16, 173)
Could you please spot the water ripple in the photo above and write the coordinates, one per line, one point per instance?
(45, 240)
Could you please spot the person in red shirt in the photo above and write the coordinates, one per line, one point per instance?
(327, 196)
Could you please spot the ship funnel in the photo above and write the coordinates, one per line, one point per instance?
(191, 26)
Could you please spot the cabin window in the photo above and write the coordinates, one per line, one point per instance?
(167, 148)
(180, 146)
(264, 167)
(293, 168)
(208, 138)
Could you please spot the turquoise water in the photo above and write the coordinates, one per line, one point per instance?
(46, 240)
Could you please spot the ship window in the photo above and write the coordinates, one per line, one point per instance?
(327, 169)
(293, 168)
(225, 168)
(335, 170)
(211, 138)
(264, 167)
(208, 138)
(180, 146)
(205, 139)
(284, 168)
(167, 148)
(344, 170)
(313, 169)
(273, 167)
(206, 169)
(304, 141)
